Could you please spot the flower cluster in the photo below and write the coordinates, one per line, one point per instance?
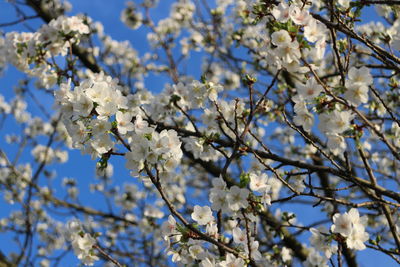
(30, 52)
(86, 111)
(180, 15)
(152, 148)
(131, 17)
(357, 85)
(305, 92)
(352, 227)
(228, 200)
(288, 48)
(348, 225)
(47, 155)
(332, 123)
(96, 116)
(82, 243)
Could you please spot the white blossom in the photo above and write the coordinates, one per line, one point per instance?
(202, 215)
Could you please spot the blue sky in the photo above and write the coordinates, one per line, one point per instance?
(82, 167)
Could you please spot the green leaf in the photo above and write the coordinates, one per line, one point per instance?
(244, 180)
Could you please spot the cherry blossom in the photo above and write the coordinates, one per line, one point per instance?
(203, 136)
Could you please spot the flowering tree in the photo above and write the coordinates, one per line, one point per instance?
(280, 146)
